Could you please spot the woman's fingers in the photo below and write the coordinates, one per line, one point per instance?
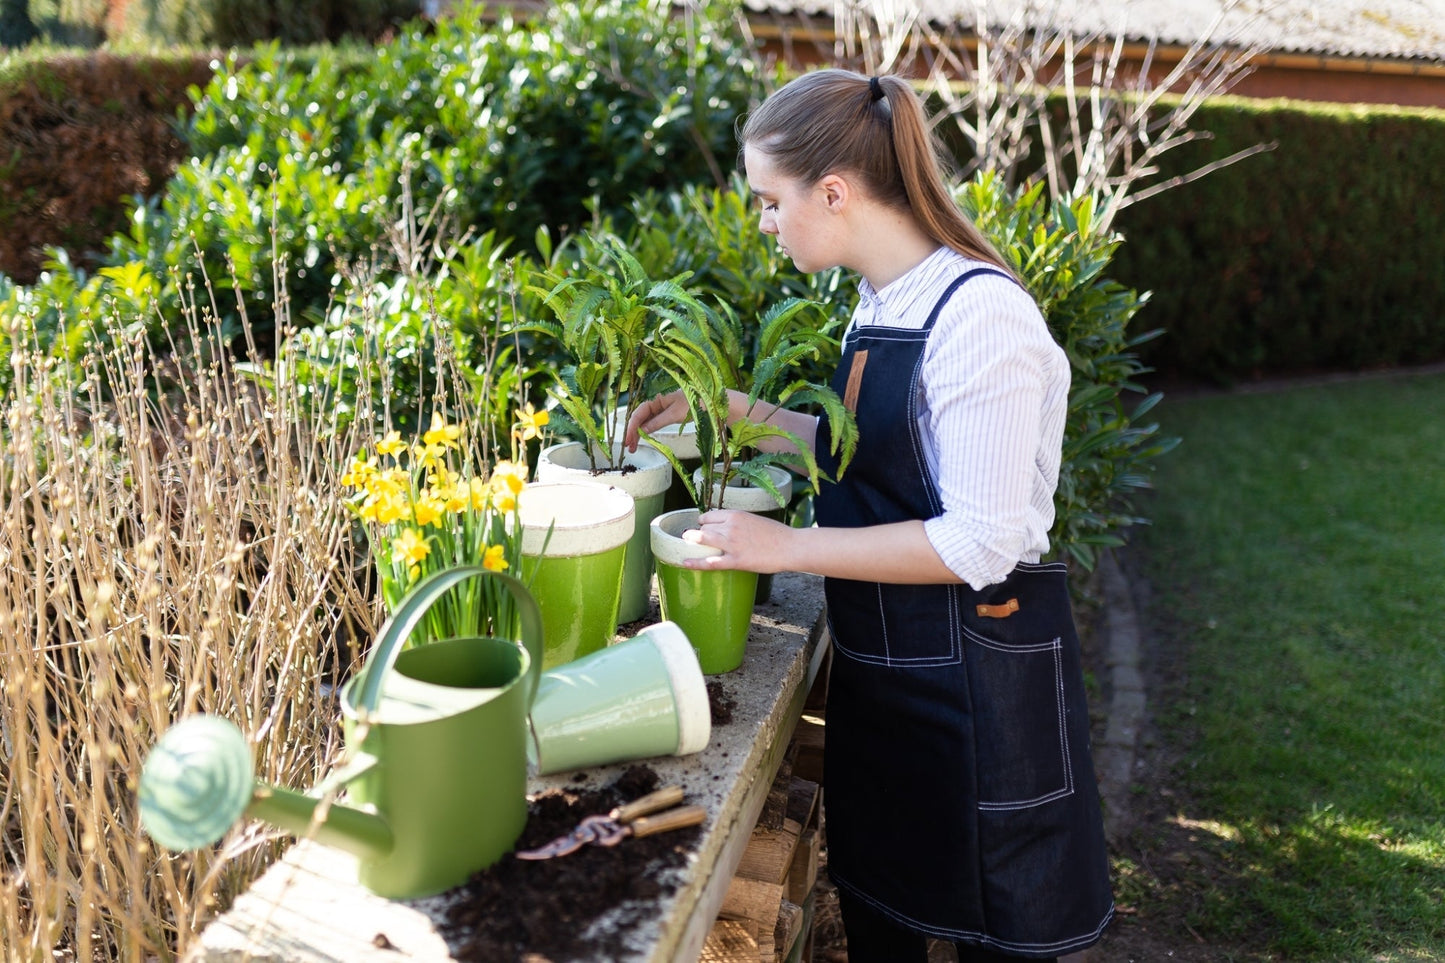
(746, 541)
(652, 414)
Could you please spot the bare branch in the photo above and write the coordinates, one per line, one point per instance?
(1121, 113)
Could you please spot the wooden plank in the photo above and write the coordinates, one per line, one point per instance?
(769, 856)
(775, 806)
(818, 692)
(803, 802)
(729, 941)
(808, 739)
(758, 902)
(787, 931)
(803, 872)
(802, 949)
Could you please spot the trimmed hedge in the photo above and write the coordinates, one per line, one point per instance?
(1326, 253)
(81, 135)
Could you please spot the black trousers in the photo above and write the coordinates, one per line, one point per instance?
(874, 938)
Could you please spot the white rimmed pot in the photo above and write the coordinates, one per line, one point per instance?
(741, 495)
(681, 440)
(713, 607)
(641, 697)
(574, 544)
(645, 474)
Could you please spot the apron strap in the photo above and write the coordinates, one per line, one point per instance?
(954, 286)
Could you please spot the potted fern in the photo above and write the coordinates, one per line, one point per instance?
(714, 606)
(607, 312)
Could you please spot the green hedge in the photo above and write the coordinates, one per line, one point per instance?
(1326, 253)
(462, 128)
(1323, 254)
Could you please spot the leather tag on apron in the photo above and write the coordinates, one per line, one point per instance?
(855, 380)
(998, 611)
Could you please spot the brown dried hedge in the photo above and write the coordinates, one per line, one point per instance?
(80, 135)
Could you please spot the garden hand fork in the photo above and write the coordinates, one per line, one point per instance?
(634, 819)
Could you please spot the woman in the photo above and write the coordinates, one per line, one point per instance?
(960, 795)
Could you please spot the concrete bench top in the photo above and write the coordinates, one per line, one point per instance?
(309, 906)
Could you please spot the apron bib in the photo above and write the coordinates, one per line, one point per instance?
(959, 788)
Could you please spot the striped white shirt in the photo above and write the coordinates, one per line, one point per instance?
(993, 396)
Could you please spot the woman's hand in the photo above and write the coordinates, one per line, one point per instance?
(654, 414)
(751, 542)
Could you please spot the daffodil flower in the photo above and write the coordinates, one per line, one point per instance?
(427, 510)
(441, 434)
(423, 512)
(388, 507)
(509, 477)
(360, 472)
(479, 491)
(409, 546)
(494, 559)
(391, 444)
(530, 422)
(454, 500)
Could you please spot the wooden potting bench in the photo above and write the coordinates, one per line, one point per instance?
(308, 907)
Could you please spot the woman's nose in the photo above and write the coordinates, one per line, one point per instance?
(767, 223)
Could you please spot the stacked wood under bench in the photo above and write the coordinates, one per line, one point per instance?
(767, 914)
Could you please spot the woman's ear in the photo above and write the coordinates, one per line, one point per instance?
(836, 191)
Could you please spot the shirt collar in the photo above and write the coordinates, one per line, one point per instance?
(900, 295)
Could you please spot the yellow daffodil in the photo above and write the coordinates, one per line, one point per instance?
(391, 444)
(440, 477)
(428, 514)
(392, 481)
(478, 490)
(441, 433)
(428, 510)
(360, 472)
(410, 547)
(509, 477)
(454, 500)
(386, 507)
(494, 559)
(530, 422)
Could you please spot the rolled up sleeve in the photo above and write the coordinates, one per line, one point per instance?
(994, 392)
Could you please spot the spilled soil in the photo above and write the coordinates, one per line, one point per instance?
(588, 905)
(582, 906)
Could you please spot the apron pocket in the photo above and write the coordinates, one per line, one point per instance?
(1019, 722)
(913, 626)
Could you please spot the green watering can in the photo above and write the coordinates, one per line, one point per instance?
(437, 770)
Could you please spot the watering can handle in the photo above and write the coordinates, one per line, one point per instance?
(414, 606)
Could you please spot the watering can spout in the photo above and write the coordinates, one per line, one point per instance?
(198, 781)
(356, 831)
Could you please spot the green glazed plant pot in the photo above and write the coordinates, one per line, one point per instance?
(641, 697)
(681, 440)
(713, 607)
(743, 497)
(644, 474)
(575, 574)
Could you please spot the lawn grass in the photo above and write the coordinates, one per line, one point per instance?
(1297, 565)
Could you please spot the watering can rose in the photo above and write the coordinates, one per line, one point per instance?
(426, 508)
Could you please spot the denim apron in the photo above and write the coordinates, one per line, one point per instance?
(960, 794)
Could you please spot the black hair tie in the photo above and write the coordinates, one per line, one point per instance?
(875, 88)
